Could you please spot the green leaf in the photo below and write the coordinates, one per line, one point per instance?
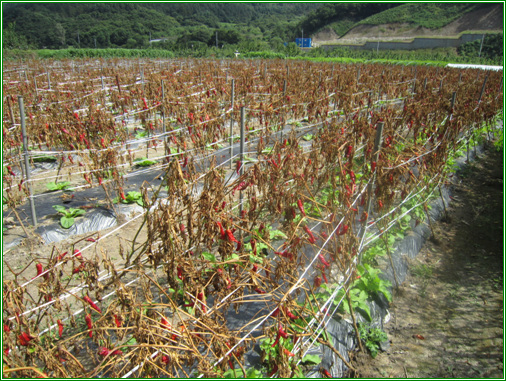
(66, 222)
(209, 256)
(277, 234)
(308, 137)
(311, 359)
(75, 212)
(253, 373)
(250, 159)
(255, 259)
(143, 162)
(233, 373)
(60, 208)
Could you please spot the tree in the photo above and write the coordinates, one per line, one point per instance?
(11, 39)
(60, 31)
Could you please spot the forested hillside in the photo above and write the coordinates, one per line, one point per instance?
(131, 25)
(219, 29)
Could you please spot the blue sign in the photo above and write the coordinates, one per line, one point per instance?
(303, 42)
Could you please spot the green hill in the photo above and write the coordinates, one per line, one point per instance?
(342, 17)
(427, 15)
(132, 25)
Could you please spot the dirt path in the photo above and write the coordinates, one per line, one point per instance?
(453, 295)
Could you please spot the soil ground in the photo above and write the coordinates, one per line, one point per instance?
(447, 317)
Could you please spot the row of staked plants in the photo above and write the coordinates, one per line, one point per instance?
(176, 297)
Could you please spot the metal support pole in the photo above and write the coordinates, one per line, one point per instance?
(232, 124)
(27, 163)
(483, 88)
(284, 87)
(35, 84)
(454, 95)
(48, 81)
(241, 156)
(163, 120)
(376, 151)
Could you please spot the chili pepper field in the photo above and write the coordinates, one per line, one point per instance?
(206, 218)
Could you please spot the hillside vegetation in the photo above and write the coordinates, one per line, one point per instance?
(131, 25)
(427, 15)
(264, 30)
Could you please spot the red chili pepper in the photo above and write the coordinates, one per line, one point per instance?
(352, 176)
(92, 305)
(78, 269)
(230, 236)
(282, 332)
(285, 254)
(254, 246)
(117, 321)
(317, 281)
(60, 327)
(311, 238)
(260, 291)
(165, 323)
(145, 103)
(222, 231)
(343, 231)
(323, 260)
(349, 150)
(165, 359)
(238, 166)
(180, 273)
(287, 352)
(373, 166)
(380, 204)
(39, 269)
(325, 278)
(6, 328)
(274, 370)
(201, 297)
(24, 339)
(326, 373)
(87, 318)
(103, 351)
(301, 207)
(290, 315)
